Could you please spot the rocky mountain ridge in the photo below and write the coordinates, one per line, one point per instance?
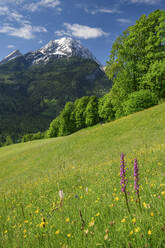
(64, 47)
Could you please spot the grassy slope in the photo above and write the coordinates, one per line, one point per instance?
(33, 173)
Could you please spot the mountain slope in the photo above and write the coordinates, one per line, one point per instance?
(15, 54)
(86, 166)
(33, 93)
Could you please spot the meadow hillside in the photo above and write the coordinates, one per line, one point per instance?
(86, 167)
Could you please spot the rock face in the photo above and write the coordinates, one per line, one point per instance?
(13, 55)
(64, 47)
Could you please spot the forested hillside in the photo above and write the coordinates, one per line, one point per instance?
(31, 96)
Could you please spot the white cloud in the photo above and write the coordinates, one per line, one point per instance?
(10, 46)
(98, 9)
(145, 1)
(12, 15)
(124, 21)
(26, 31)
(101, 10)
(3, 10)
(43, 3)
(4, 2)
(81, 31)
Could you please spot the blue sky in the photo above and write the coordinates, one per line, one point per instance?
(29, 25)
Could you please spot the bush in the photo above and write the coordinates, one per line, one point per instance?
(139, 100)
(54, 128)
(32, 136)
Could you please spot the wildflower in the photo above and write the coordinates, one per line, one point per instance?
(43, 223)
(57, 232)
(123, 220)
(97, 214)
(86, 231)
(67, 220)
(134, 220)
(5, 231)
(91, 223)
(152, 214)
(26, 221)
(24, 231)
(144, 205)
(122, 174)
(149, 232)
(163, 193)
(37, 211)
(116, 198)
(131, 232)
(137, 229)
(69, 235)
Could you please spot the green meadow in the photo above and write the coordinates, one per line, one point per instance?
(86, 167)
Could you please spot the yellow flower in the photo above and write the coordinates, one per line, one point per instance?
(131, 232)
(69, 235)
(97, 214)
(37, 211)
(57, 232)
(91, 223)
(163, 193)
(134, 220)
(26, 221)
(116, 198)
(24, 231)
(123, 220)
(149, 232)
(144, 205)
(152, 214)
(5, 231)
(137, 229)
(67, 220)
(43, 224)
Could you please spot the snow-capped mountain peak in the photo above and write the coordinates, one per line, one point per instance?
(64, 47)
